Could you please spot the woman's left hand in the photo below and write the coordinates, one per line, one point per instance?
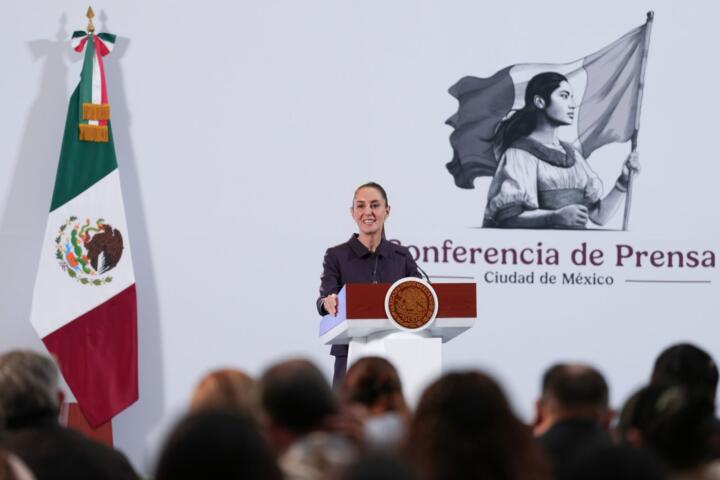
(632, 164)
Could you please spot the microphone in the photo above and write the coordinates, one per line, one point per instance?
(374, 271)
(427, 277)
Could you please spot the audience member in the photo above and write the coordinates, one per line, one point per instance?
(298, 405)
(217, 444)
(686, 365)
(29, 401)
(611, 462)
(291, 426)
(464, 428)
(674, 423)
(693, 368)
(227, 389)
(372, 385)
(379, 467)
(572, 412)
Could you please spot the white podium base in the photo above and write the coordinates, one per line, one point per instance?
(416, 356)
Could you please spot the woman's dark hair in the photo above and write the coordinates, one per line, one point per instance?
(374, 185)
(689, 366)
(464, 428)
(295, 395)
(215, 444)
(374, 382)
(674, 422)
(522, 122)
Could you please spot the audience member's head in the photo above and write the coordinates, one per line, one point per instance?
(372, 387)
(379, 467)
(217, 444)
(29, 387)
(296, 400)
(374, 382)
(464, 428)
(572, 391)
(615, 463)
(686, 365)
(670, 420)
(226, 389)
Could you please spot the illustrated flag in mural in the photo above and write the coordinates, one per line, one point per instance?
(84, 303)
(606, 86)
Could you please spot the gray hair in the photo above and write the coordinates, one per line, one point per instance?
(28, 385)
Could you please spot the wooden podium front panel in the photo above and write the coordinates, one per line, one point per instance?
(365, 300)
(456, 300)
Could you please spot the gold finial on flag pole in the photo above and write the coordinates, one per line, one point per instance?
(90, 15)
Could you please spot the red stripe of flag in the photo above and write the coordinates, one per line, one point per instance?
(101, 50)
(97, 354)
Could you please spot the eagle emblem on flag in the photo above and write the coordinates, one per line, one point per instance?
(86, 251)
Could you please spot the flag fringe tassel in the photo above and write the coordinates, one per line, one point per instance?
(94, 133)
(96, 111)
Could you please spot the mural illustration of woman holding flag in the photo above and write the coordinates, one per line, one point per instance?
(507, 127)
(541, 181)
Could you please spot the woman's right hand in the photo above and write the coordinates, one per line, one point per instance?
(330, 304)
(573, 216)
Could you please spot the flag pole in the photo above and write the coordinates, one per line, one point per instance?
(638, 108)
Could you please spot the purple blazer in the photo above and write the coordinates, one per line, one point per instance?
(352, 262)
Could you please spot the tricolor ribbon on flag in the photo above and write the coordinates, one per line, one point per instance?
(608, 90)
(93, 100)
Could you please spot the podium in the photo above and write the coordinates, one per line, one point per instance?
(363, 323)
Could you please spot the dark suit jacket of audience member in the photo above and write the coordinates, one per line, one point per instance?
(52, 451)
(714, 439)
(567, 438)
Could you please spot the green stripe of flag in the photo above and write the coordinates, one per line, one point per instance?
(81, 164)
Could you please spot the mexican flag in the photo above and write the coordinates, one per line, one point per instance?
(84, 303)
(607, 86)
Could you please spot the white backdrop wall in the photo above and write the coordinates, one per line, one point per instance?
(242, 129)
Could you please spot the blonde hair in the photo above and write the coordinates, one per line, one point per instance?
(226, 389)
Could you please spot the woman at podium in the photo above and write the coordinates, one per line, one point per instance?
(368, 257)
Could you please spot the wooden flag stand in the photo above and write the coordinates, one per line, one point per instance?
(72, 417)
